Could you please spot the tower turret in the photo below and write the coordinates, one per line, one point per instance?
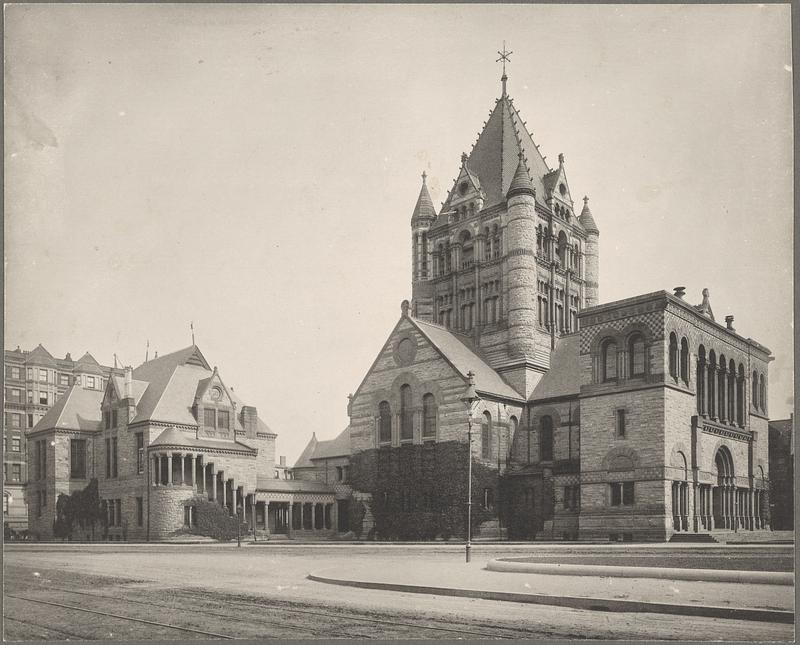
(591, 270)
(521, 280)
(423, 216)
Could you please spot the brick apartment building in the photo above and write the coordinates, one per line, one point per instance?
(630, 420)
(159, 438)
(34, 380)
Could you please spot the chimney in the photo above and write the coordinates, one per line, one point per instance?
(680, 292)
(128, 383)
(283, 460)
(249, 421)
(729, 323)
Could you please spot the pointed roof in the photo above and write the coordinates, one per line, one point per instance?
(304, 460)
(564, 376)
(171, 386)
(338, 447)
(463, 358)
(521, 183)
(424, 208)
(87, 364)
(586, 219)
(495, 155)
(40, 356)
(76, 409)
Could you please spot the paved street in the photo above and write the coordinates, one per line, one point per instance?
(212, 591)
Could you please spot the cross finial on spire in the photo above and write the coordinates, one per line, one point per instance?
(585, 200)
(424, 176)
(504, 56)
(191, 327)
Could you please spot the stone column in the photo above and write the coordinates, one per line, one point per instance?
(213, 490)
(234, 495)
(154, 470)
(313, 516)
(224, 489)
(266, 516)
(169, 468)
(335, 516)
(289, 527)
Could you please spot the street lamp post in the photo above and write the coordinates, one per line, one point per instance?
(239, 525)
(469, 397)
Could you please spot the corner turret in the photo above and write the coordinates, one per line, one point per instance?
(592, 259)
(422, 218)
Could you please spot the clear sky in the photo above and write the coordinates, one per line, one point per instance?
(253, 168)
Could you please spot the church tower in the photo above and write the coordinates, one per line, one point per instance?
(505, 264)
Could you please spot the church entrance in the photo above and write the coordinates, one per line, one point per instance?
(724, 494)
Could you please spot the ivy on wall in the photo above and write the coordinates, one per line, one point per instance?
(82, 509)
(419, 492)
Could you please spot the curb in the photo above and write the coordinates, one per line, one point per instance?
(573, 602)
(664, 573)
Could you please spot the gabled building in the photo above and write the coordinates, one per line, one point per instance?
(158, 439)
(34, 381)
(631, 420)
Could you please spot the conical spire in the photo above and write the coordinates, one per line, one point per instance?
(424, 208)
(586, 219)
(521, 183)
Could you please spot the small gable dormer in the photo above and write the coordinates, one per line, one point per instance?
(214, 408)
(557, 193)
(466, 198)
(110, 404)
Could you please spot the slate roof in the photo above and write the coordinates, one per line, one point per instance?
(137, 387)
(76, 409)
(495, 155)
(563, 377)
(521, 183)
(586, 219)
(304, 460)
(338, 447)
(424, 208)
(464, 359)
(172, 382)
(40, 356)
(175, 437)
(290, 485)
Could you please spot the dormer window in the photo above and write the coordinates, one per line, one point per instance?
(562, 189)
(463, 187)
(223, 419)
(210, 418)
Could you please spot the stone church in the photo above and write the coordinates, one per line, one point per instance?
(631, 420)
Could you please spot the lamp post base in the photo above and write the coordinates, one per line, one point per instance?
(468, 550)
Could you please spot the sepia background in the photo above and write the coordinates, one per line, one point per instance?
(253, 168)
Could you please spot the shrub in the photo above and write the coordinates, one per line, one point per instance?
(214, 521)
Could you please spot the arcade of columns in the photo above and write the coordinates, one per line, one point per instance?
(171, 468)
(720, 397)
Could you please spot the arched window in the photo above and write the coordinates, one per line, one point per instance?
(673, 355)
(546, 439)
(406, 414)
(562, 249)
(740, 396)
(685, 361)
(762, 394)
(496, 246)
(755, 390)
(636, 355)
(731, 391)
(487, 244)
(722, 389)
(701, 380)
(609, 356)
(539, 238)
(428, 417)
(486, 436)
(384, 422)
(712, 372)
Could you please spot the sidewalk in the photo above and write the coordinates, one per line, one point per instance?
(774, 603)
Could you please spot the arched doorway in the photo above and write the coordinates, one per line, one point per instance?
(725, 491)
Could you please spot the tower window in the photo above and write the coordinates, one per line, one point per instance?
(486, 436)
(428, 417)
